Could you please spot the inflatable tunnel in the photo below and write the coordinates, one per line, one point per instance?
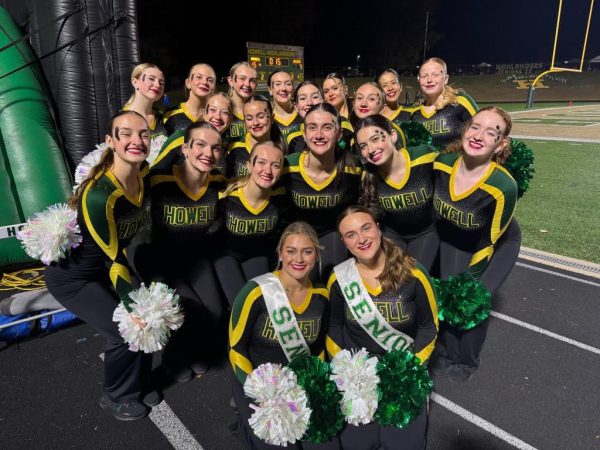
(64, 70)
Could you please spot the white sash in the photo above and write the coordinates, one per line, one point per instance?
(364, 310)
(282, 317)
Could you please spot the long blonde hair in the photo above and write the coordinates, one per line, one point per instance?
(399, 265)
(137, 73)
(450, 94)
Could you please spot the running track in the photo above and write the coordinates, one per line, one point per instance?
(538, 385)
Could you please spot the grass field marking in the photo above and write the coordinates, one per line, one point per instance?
(552, 108)
(480, 422)
(558, 274)
(172, 428)
(539, 330)
(556, 138)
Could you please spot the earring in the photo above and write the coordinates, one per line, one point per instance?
(137, 88)
(280, 264)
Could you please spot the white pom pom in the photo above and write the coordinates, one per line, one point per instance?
(87, 163)
(355, 374)
(155, 145)
(283, 413)
(50, 234)
(158, 308)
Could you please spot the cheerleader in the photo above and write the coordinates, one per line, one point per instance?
(253, 330)
(200, 83)
(242, 82)
(399, 183)
(112, 204)
(148, 83)
(399, 290)
(390, 83)
(475, 199)
(305, 96)
(335, 92)
(285, 116)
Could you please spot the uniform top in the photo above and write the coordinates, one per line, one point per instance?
(178, 118)
(289, 126)
(170, 154)
(408, 205)
(237, 129)
(108, 218)
(252, 339)
(156, 127)
(238, 154)
(411, 310)
(179, 218)
(318, 204)
(248, 231)
(446, 124)
(402, 115)
(474, 220)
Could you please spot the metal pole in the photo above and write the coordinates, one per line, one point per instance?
(530, 93)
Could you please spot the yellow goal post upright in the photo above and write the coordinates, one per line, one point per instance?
(553, 68)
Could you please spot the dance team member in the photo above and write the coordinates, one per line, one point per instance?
(254, 326)
(321, 181)
(335, 92)
(399, 290)
(390, 83)
(474, 199)
(250, 209)
(148, 83)
(305, 96)
(200, 82)
(285, 116)
(258, 120)
(184, 221)
(444, 109)
(95, 276)
(399, 183)
(242, 85)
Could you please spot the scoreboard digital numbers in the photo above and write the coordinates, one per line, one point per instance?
(267, 58)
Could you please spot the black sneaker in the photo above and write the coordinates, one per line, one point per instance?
(153, 398)
(133, 410)
(439, 366)
(199, 368)
(460, 373)
(181, 374)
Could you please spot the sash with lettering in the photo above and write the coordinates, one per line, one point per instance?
(282, 317)
(364, 310)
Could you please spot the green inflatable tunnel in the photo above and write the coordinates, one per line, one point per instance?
(33, 173)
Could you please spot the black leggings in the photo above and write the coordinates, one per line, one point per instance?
(125, 372)
(464, 346)
(253, 442)
(424, 248)
(233, 274)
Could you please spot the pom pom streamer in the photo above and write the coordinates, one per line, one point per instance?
(416, 134)
(157, 307)
(403, 388)
(355, 374)
(283, 413)
(326, 420)
(520, 165)
(156, 144)
(50, 234)
(463, 301)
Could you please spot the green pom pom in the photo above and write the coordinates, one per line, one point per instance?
(463, 301)
(415, 134)
(404, 385)
(342, 144)
(326, 419)
(520, 165)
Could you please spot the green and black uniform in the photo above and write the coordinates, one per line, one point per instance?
(408, 215)
(286, 128)
(470, 225)
(411, 310)
(237, 129)
(238, 154)
(446, 124)
(95, 276)
(178, 118)
(156, 127)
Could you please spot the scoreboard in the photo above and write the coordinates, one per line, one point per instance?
(267, 58)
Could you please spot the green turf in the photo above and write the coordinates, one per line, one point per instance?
(561, 211)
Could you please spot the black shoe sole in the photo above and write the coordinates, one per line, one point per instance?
(119, 417)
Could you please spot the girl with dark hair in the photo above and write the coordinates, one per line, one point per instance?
(258, 119)
(306, 95)
(253, 330)
(399, 289)
(322, 180)
(184, 218)
(475, 199)
(389, 82)
(443, 110)
(199, 84)
(399, 183)
(111, 207)
(250, 209)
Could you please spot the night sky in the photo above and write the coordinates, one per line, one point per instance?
(384, 33)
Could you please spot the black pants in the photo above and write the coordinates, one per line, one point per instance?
(194, 280)
(253, 442)
(333, 252)
(464, 346)
(94, 302)
(234, 273)
(423, 248)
